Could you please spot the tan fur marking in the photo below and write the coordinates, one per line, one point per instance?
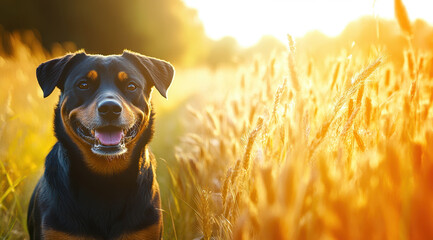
(151, 232)
(51, 234)
(92, 75)
(122, 76)
(98, 164)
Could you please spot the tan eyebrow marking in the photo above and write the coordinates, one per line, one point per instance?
(122, 76)
(92, 75)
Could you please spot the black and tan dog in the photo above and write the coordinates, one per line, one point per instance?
(99, 180)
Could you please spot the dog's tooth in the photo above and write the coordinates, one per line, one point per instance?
(93, 132)
(97, 143)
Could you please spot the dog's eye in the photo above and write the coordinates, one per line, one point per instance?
(83, 85)
(131, 86)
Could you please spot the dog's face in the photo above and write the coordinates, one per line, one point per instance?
(105, 102)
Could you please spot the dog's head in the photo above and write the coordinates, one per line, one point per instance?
(105, 102)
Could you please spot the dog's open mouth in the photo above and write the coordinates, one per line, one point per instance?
(107, 140)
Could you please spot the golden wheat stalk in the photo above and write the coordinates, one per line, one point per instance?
(402, 17)
(277, 99)
(410, 64)
(225, 187)
(360, 95)
(251, 139)
(204, 214)
(292, 67)
(236, 171)
(320, 135)
(368, 110)
(359, 140)
(349, 122)
(359, 79)
(335, 74)
(349, 108)
(387, 77)
(412, 89)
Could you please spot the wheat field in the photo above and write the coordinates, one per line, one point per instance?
(334, 150)
(315, 154)
(280, 148)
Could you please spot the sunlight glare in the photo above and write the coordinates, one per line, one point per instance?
(248, 21)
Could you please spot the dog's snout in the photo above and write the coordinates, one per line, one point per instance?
(109, 109)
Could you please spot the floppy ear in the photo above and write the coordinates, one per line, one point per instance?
(52, 73)
(160, 72)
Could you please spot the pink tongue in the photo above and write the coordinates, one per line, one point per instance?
(109, 138)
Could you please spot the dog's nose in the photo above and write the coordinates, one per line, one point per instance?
(109, 109)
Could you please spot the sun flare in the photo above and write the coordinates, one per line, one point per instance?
(325, 135)
(248, 21)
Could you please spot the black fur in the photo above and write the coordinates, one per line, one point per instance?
(71, 198)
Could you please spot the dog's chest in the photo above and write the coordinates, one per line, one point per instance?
(98, 219)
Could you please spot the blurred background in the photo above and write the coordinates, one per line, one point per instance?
(230, 56)
(214, 33)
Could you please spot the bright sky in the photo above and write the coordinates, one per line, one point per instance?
(248, 20)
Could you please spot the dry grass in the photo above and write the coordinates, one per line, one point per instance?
(21, 150)
(331, 157)
(342, 150)
(402, 17)
(26, 132)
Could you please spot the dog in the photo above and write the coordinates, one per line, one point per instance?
(99, 180)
